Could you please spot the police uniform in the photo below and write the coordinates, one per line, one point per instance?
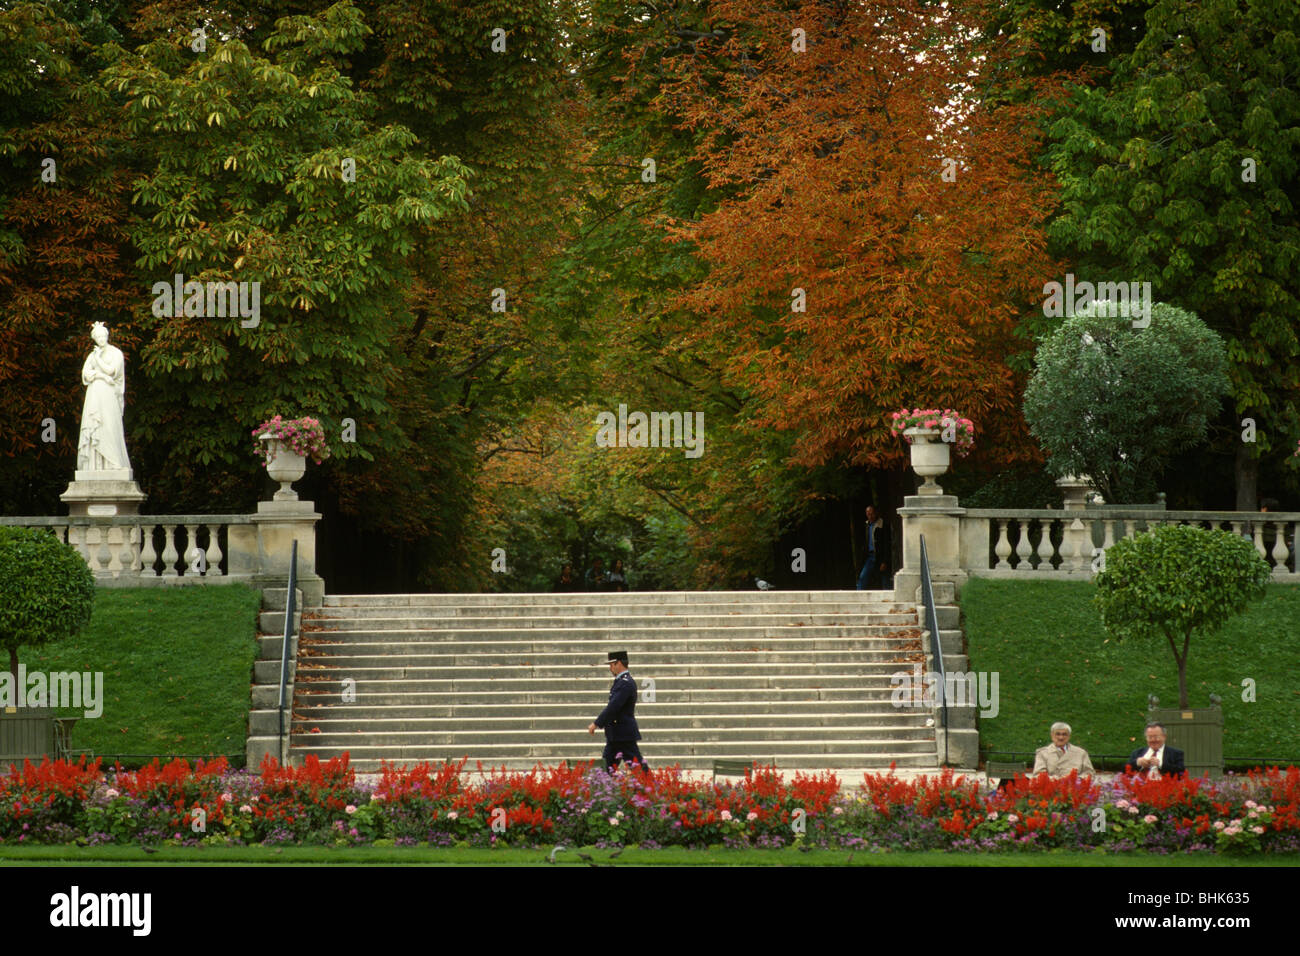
(618, 719)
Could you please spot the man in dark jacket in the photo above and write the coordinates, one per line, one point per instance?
(1155, 759)
(876, 567)
(619, 716)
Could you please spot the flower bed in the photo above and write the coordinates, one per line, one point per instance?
(431, 804)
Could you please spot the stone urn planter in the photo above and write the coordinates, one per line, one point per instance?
(931, 457)
(285, 466)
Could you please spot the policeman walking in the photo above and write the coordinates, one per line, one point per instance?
(618, 718)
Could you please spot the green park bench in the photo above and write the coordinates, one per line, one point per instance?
(35, 737)
(26, 737)
(63, 740)
(1004, 770)
(737, 768)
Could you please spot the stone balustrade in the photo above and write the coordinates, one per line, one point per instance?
(146, 550)
(1061, 544)
(124, 549)
(1050, 543)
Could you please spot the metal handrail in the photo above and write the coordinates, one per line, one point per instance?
(936, 644)
(288, 633)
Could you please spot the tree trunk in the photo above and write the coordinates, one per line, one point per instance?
(1246, 474)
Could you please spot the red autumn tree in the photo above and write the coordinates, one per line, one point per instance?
(855, 161)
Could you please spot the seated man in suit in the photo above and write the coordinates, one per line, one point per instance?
(1058, 758)
(1155, 759)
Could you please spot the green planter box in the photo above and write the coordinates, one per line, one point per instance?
(1198, 734)
(26, 732)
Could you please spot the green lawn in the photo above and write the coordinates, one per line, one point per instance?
(451, 856)
(1056, 662)
(177, 664)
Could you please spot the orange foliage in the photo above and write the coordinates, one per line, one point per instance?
(830, 166)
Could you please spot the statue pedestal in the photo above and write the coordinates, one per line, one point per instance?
(103, 494)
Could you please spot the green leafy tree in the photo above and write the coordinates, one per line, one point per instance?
(47, 592)
(1176, 581)
(1183, 170)
(1114, 402)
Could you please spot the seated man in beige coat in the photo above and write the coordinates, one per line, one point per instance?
(1058, 758)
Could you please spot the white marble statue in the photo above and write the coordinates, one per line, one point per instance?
(102, 446)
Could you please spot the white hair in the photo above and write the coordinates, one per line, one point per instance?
(1061, 725)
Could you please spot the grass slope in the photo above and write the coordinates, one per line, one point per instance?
(1056, 662)
(177, 663)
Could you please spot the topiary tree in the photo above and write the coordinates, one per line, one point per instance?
(1176, 580)
(46, 591)
(1115, 402)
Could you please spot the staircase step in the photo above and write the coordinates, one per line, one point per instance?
(311, 707)
(735, 747)
(396, 617)
(617, 599)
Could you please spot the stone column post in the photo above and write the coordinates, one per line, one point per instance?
(279, 524)
(938, 517)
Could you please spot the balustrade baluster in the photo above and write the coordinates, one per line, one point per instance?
(214, 550)
(1044, 555)
(1279, 547)
(1081, 534)
(131, 550)
(1003, 547)
(194, 556)
(148, 556)
(1022, 546)
(94, 543)
(113, 541)
(169, 554)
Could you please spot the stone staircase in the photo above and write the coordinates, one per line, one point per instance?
(513, 679)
